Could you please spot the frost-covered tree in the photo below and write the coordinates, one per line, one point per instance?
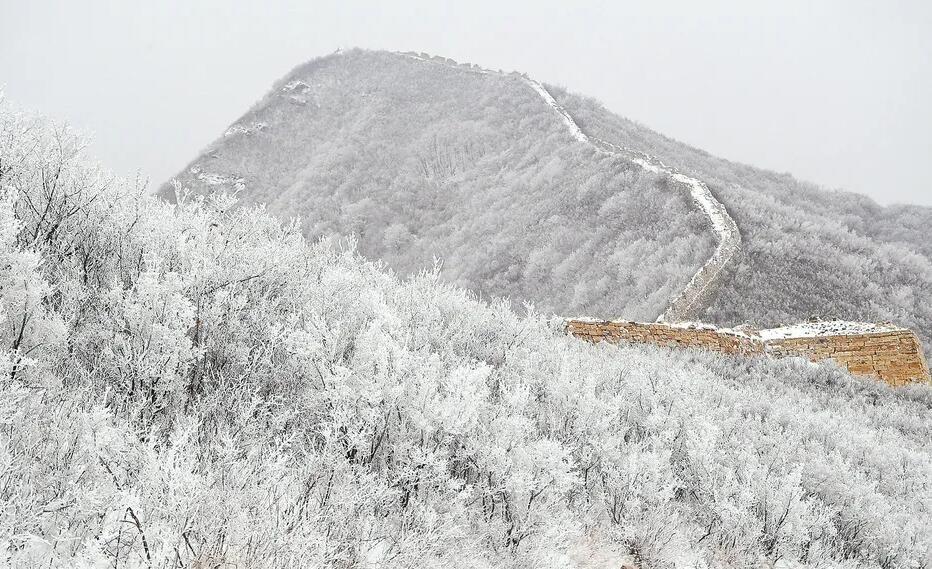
(198, 386)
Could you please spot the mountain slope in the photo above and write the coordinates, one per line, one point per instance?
(196, 385)
(704, 285)
(439, 160)
(806, 251)
(422, 161)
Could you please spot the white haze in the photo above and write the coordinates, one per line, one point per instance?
(835, 93)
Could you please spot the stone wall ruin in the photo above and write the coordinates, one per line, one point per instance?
(885, 352)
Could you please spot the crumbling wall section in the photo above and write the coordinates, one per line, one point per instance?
(895, 356)
(687, 336)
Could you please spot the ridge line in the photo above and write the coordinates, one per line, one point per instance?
(704, 284)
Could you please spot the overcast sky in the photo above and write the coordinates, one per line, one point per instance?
(835, 92)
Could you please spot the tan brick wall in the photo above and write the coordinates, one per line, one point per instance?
(664, 335)
(896, 356)
(893, 356)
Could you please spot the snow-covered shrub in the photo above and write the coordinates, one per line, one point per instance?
(211, 390)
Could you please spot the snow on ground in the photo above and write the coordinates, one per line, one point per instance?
(726, 230)
(712, 207)
(292, 85)
(827, 328)
(802, 330)
(574, 129)
(240, 129)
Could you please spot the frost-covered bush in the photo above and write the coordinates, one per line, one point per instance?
(203, 388)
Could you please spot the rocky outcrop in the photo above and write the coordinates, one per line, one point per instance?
(885, 352)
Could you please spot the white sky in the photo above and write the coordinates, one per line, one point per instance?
(836, 92)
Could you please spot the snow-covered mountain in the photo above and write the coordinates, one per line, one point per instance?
(805, 250)
(427, 159)
(196, 385)
(550, 201)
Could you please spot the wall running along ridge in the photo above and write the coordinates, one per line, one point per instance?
(701, 289)
(893, 355)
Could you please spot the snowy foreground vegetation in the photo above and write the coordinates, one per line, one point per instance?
(197, 386)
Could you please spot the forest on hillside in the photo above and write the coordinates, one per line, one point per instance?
(428, 160)
(806, 251)
(422, 161)
(199, 385)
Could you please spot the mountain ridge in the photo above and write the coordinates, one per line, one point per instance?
(700, 289)
(198, 384)
(518, 164)
(805, 251)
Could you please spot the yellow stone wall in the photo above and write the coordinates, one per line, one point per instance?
(664, 335)
(893, 356)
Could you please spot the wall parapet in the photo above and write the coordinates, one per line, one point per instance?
(882, 351)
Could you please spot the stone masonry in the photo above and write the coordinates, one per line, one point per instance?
(891, 354)
(895, 356)
(666, 335)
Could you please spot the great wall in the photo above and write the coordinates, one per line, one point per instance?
(702, 287)
(882, 351)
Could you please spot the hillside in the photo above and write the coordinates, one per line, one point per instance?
(805, 251)
(196, 385)
(422, 161)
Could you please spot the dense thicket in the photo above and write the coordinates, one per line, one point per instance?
(421, 160)
(806, 251)
(196, 386)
